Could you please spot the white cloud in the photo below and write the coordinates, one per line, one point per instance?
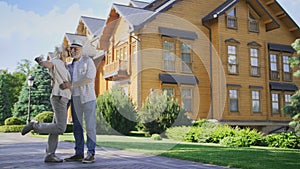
(26, 34)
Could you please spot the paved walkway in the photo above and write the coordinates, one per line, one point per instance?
(18, 151)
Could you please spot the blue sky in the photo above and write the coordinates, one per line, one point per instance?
(30, 28)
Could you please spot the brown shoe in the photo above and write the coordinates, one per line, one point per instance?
(76, 157)
(89, 159)
(52, 159)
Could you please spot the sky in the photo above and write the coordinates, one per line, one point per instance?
(30, 28)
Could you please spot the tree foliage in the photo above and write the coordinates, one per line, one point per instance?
(293, 109)
(4, 102)
(115, 109)
(40, 95)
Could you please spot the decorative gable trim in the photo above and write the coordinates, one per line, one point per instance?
(253, 43)
(232, 40)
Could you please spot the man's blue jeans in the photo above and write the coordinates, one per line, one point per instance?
(89, 111)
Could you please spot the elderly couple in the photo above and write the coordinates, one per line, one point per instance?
(73, 82)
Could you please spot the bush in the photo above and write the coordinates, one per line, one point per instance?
(178, 133)
(251, 136)
(44, 117)
(115, 112)
(69, 128)
(13, 121)
(156, 137)
(160, 112)
(11, 128)
(235, 141)
(283, 140)
(193, 135)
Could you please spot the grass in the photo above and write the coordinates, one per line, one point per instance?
(245, 158)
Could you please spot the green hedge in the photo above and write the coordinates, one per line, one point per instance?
(13, 121)
(11, 128)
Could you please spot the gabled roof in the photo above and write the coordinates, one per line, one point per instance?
(138, 4)
(88, 49)
(94, 25)
(227, 5)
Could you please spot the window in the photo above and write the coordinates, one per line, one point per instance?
(186, 63)
(186, 99)
(275, 103)
(287, 99)
(232, 60)
(255, 101)
(255, 70)
(169, 91)
(169, 55)
(274, 67)
(233, 99)
(287, 75)
(231, 19)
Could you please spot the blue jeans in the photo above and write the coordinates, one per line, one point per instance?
(89, 110)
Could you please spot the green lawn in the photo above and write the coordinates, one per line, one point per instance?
(246, 158)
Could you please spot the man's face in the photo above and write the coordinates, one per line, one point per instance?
(76, 52)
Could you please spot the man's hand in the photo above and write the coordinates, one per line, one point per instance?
(65, 85)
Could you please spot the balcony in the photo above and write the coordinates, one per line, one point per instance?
(255, 71)
(253, 26)
(232, 22)
(116, 70)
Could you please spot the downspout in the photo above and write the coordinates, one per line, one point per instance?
(210, 70)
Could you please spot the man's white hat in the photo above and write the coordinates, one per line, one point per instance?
(76, 43)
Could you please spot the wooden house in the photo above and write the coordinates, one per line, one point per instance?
(222, 59)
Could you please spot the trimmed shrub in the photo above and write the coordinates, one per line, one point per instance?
(156, 137)
(13, 121)
(11, 128)
(115, 113)
(44, 117)
(178, 133)
(160, 112)
(193, 135)
(283, 140)
(235, 141)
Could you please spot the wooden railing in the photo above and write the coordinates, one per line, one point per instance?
(116, 66)
(255, 71)
(274, 75)
(253, 25)
(232, 22)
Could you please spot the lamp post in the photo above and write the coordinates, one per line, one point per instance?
(30, 84)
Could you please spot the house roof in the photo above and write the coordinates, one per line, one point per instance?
(178, 79)
(138, 4)
(94, 25)
(227, 5)
(88, 49)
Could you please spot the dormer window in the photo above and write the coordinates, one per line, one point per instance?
(232, 19)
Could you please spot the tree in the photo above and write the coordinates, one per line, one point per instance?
(40, 95)
(4, 102)
(24, 66)
(293, 109)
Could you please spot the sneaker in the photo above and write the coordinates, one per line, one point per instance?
(27, 128)
(89, 159)
(76, 157)
(52, 159)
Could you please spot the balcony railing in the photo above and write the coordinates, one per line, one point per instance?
(275, 75)
(253, 25)
(118, 68)
(287, 76)
(255, 71)
(231, 22)
(233, 69)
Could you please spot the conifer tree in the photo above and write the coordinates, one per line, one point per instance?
(4, 102)
(40, 95)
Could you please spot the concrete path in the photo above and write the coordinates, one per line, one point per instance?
(18, 151)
